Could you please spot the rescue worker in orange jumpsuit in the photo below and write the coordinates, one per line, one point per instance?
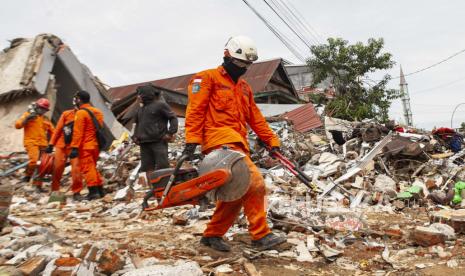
(61, 141)
(220, 106)
(84, 144)
(37, 130)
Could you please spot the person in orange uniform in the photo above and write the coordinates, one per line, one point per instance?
(84, 144)
(61, 141)
(220, 106)
(37, 130)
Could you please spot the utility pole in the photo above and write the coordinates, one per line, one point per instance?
(405, 99)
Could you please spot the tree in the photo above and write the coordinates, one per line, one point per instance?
(462, 127)
(318, 99)
(347, 67)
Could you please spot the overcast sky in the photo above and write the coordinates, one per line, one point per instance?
(125, 42)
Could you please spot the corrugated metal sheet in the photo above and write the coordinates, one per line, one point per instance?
(271, 110)
(260, 73)
(178, 84)
(258, 76)
(175, 84)
(304, 118)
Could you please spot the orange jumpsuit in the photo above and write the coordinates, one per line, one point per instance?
(218, 113)
(85, 139)
(36, 133)
(62, 151)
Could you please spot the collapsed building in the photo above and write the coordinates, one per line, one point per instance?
(44, 66)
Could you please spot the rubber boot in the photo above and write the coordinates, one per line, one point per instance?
(268, 241)
(39, 189)
(216, 243)
(78, 197)
(93, 193)
(100, 191)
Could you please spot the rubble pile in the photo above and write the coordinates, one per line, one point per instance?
(381, 202)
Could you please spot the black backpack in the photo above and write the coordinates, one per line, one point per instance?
(103, 142)
(68, 132)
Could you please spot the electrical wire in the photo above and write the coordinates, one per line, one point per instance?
(304, 23)
(286, 41)
(287, 24)
(294, 22)
(433, 65)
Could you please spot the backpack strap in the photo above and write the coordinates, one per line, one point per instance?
(94, 119)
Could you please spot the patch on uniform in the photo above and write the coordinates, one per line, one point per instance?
(196, 85)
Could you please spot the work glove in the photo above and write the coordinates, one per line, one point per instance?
(74, 153)
(271, 150)
(49, 149)
(135, 140)
(274, 150)
(189, 150)
(30, 117)
(169, 138)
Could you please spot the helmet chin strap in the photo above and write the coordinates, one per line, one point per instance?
(234, 71)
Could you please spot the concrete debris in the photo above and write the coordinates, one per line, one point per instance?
(303, 254)
(224, 268)
(374, 209)
(329, 253)
(447, 230)
(178, 268)
(426, 236)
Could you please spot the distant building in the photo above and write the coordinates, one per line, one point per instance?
(301, 78)
(269, 81)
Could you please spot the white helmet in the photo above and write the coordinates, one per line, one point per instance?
(241, 47)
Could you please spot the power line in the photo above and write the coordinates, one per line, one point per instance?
(307, 26)
(287, 24)
(280, 36)
(433, 65)
(294, 21)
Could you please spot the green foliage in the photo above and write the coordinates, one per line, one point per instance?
(462, 126)
(318, 99)
(347, 66)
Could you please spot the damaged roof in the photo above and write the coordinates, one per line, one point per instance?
(264, 76)
(304, 118)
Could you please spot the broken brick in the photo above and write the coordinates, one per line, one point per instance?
(393, 233)
(180, 218)
(67, 261)
(431, 184)
(425, 236)
(110, 262)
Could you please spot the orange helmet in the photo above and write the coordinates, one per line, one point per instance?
(43, 103)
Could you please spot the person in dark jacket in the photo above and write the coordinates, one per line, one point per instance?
(152, 132)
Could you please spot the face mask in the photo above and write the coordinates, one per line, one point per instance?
(234, 71)
(146, 99)
(41, 111)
